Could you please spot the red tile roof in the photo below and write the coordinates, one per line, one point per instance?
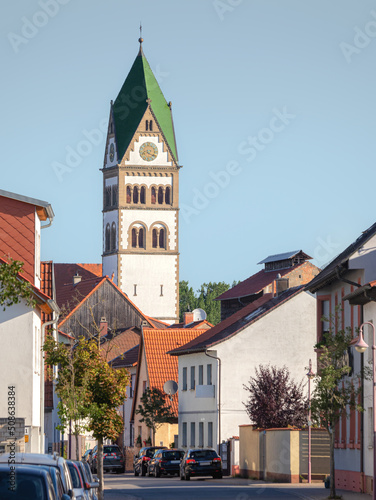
(255, 283)
(157, 323)
(161, 366)
(64, 280)
(127, 359)
(69, 296)
(119, 344)
(238, 321)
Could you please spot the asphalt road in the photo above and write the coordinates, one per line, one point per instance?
(128, 487)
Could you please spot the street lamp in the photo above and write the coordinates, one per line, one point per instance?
(361, 346)
(310, 376)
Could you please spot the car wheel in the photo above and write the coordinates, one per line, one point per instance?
(143, 470)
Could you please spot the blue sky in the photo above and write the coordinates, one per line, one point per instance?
(274, 111)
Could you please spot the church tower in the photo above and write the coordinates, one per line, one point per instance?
(141, 196)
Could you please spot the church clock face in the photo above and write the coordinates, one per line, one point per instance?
(148, 151)
(112, 152)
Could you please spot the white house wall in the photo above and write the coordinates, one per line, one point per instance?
(18, 327)
(284, 337)
(364, 259)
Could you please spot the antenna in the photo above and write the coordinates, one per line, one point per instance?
(170, 388)
(199, 315)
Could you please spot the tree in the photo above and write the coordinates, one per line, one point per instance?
(89, 388)
(12, 287)
(154, 411)
(187, 299)
(274, 399)
(205, 299)
(334, 390)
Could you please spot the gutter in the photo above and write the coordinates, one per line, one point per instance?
(50, 215)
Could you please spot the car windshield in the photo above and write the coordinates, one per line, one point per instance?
(203, 454)
(26, 486)
(111, 449)
(172, 455)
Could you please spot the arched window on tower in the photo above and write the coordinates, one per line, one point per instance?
(129, 194)
(141, 238)
(107, 238)
(155, 238)
(162, 238)
(153, 196)
(142, 195)
(135, 194)
(113, 236)
(160, 196)
(134, 238)
(168, 195)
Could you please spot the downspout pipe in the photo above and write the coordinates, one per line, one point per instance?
(56, 311)
(219, 397)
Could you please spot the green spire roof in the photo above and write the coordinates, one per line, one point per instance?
(130, 106)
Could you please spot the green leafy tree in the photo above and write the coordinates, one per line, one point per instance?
(154, 411)
(206, 300)
(334, 390)
(187, 299)
(89, 389)
(13, 289)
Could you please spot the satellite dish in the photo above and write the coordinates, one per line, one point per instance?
(199, 315)
(170, 387)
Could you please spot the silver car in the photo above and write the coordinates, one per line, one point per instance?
(43, 459)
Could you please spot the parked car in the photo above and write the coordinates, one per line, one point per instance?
(78, 484)
(90, 457)
(42, 459)
(94, 482)
(140, 461)
(89, 486)
(29, 483)
(113, 459)
(201, 462)
(165, 462)
(56, 481)
(86, 455)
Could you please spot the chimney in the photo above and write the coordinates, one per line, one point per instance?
(188, 318)
(103, 327)
(281, 284)
(76, 278)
